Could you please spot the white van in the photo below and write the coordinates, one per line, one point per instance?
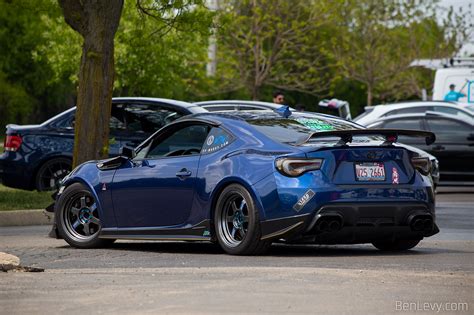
(462, 78)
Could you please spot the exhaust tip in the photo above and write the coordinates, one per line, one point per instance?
(329, 223)
(323, 225)
(334, 225)
(421, 223)
(428, 224)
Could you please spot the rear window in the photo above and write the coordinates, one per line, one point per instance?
(292, 131)
(367, 111)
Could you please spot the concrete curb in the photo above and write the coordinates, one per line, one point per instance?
(26, 217)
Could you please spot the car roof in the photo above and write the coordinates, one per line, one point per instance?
(240, 102)
(189, 106)
(219, 117)
(428, 114)
(391, 106)
(155, 100)
(375, 112)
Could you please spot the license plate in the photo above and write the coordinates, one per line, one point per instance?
(368, 172)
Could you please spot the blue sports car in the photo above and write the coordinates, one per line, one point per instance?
(247, 179)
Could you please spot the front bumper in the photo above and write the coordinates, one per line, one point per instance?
(359, 223)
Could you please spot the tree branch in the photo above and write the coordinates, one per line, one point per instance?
(74, 15)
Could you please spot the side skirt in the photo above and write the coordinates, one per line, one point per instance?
(197, 232)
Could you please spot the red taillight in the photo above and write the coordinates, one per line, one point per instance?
(296, 166)
(422, 164)
(12, 143)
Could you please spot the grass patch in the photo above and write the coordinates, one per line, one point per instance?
(16, 199)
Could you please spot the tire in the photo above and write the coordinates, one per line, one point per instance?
(77, 218)
(397, 245)
(237, 223)
(51, 172)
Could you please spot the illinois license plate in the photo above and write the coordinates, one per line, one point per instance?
(370, 171)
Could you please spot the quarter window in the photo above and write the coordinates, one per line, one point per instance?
(216, 140)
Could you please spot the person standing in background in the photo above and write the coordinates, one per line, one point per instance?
(278, 97)
(452, 95)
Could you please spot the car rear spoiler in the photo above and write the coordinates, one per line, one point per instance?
(391, 135)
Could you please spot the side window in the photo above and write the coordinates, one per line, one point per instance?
(408, 110)
(187, 140)
(249, 107)
(217, 139)
(216, 108)
(404, 124)
(117, 120)
(451, 111)
(67, 123)
(144, 118)
(448, 126)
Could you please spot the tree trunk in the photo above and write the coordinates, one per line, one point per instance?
(255, 90)
(369, 95)
(96, 21)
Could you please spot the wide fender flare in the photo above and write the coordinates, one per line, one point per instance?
(235, 180)
(78, 179)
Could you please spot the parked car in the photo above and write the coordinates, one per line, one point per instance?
(38, 156)
(226, 105)
(235, 105)
(373, 113)
(246, 179)
(454, 146)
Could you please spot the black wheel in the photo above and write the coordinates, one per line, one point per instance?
(50, 173)
(77, 218)
(397, 245)
(237, 223)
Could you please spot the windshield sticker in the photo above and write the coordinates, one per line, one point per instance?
(315, 124)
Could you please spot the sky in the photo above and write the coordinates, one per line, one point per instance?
(465, 5)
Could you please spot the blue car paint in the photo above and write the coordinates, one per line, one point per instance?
(130, 197)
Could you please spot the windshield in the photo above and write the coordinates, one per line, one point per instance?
(470, 108)
(295, 130)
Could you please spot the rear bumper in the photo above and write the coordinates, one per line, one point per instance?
(12, 173)
(359, 223)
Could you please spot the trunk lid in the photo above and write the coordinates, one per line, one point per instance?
(365, 165)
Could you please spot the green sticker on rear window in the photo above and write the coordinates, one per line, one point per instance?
(315, 124)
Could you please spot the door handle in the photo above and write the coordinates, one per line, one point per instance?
(183, 173)
(438, 148)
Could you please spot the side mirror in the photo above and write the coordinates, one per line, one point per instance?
(470, 137)
(127, 152)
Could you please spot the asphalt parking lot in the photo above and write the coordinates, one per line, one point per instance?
(180, 277)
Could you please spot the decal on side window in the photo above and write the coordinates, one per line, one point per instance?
(216, 140)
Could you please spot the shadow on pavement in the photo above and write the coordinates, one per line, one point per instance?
(277, 250)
